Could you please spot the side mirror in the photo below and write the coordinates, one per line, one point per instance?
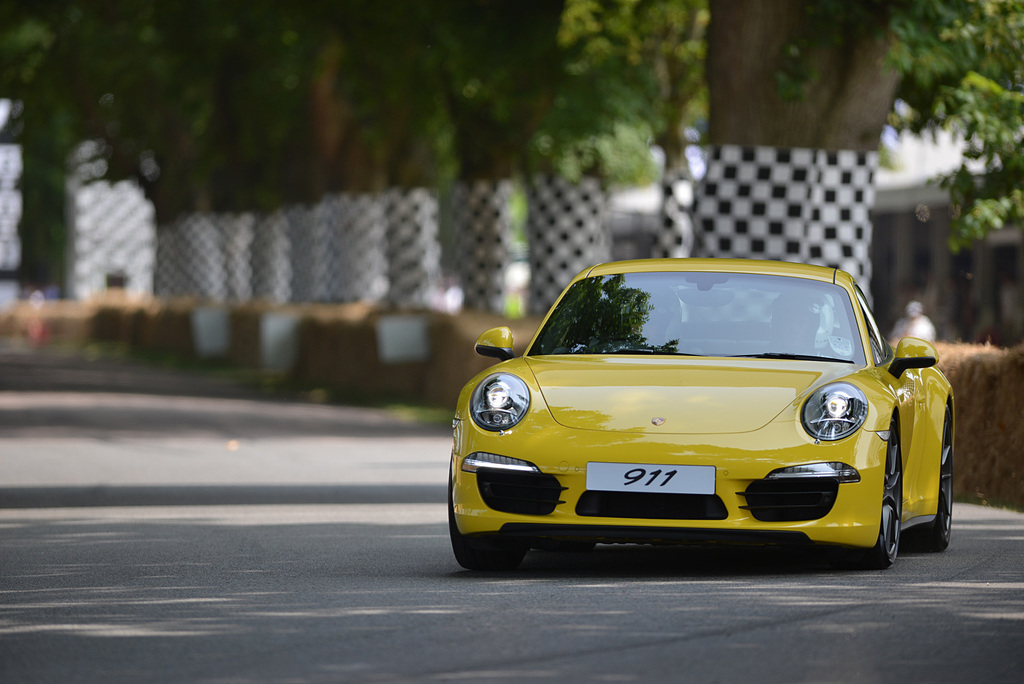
(912, 353)
(496, 343)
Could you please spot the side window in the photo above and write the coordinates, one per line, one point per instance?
(879, 347)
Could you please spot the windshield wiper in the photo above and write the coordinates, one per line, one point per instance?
(793, 357)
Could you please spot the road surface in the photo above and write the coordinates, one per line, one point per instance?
(159, 526)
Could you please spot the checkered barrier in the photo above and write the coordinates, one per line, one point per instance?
(481, 218)
(566, 230)
(307, 250)
(332, 251)
(360, 234)
(110, 234)
(238, 232)
(271, 258)
(839, 232)
(413, 249)
(205, 255)
(10, 206)
(676, 237)
(798, 205)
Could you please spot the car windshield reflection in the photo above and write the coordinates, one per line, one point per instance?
(704, 314)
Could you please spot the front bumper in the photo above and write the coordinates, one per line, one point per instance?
(744, 509)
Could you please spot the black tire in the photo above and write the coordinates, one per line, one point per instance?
(935, 537)
(884, 552)
(491, 553)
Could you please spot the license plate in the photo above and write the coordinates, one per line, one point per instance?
(650, 478)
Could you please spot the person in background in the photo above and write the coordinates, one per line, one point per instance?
(913, 323)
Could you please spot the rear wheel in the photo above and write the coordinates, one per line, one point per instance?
(485, 553)
(936, 536)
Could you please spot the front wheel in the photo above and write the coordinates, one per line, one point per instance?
(884, 552)
(484, 553)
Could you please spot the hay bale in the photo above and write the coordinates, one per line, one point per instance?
(50, 321)
(455, 362)
(989, 428)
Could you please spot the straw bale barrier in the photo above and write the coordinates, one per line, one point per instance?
(338, 348)
(989, 446)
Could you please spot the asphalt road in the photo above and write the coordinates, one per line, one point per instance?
(166, 527)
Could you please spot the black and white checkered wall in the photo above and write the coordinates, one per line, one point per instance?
(566, 230)
(676, 238)
(111, 234)
(10, 205)
(480, 214)
(413, 249)
(238, 232)
(271, 258)
(360, 230)
(801, 205)
(335, 251)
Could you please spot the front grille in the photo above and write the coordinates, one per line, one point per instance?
(525, 493)
(791, 500)
(653, 506)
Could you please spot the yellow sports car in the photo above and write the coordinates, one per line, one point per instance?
(703, 401)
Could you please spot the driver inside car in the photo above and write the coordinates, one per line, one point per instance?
(796, 325)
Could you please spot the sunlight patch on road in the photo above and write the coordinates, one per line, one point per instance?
(237, 516)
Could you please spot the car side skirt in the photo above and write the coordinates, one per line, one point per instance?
(918, 520)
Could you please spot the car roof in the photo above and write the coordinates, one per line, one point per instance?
(753, 266)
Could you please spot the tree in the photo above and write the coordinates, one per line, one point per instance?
(662, 44)
(962, 64)
(248, 106)
(824, 74)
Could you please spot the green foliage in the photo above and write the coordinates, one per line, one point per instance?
(238, 105)
(498, 67)
(635, 75)
(829, 24)
(963, 70)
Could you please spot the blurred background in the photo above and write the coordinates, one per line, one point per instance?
(476, 154)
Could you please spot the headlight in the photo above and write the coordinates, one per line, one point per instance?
(834, 412)
(499, 402)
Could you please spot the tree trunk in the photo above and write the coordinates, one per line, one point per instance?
(795, 123)
(843, 103)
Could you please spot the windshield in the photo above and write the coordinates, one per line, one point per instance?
(703, 314)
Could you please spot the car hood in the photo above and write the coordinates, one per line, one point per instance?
(698, 396)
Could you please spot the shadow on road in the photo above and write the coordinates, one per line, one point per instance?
(233, 495)
(46, 394)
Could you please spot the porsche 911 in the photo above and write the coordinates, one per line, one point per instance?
(688, 401)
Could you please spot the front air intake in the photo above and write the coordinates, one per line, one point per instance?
(790, 500)
(524, 493)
